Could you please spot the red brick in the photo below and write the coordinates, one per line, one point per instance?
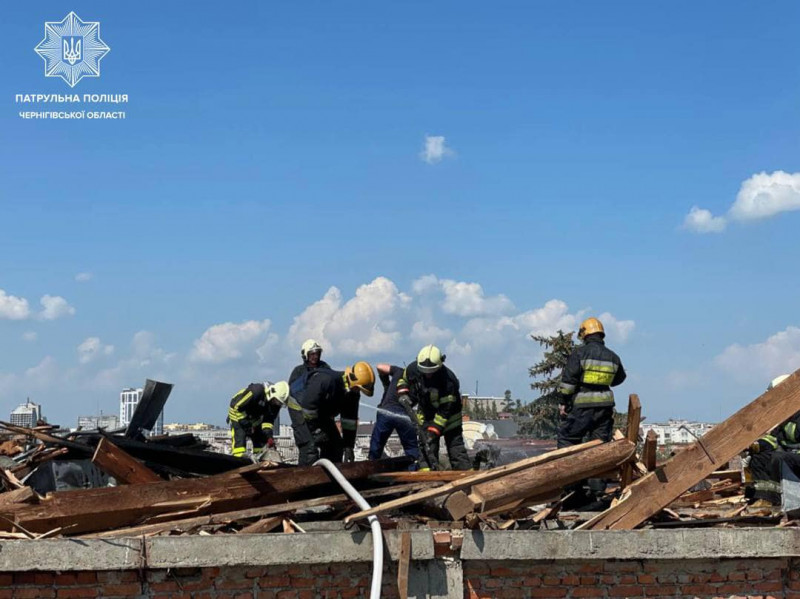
(588, 592)
(768, 586)
(698, 589)
(588, 580)
(44, 578)
(124, 590)
(755, 574)
(551, 580)
(476, 569)
(626, 591)
(503, 571)
(228, 584)
(303, 583)
(669, 578)
(513, 594)
(66, 579)
(728, 589)
(480, 595)
(532, 581)
(77, 592)
(267, 582)
(701, 578)
(737, 576)
(627, 579)
(590, 568)
(33, 593)
(776, 574)
(25, 578)
(608, 579)
(571, 580)
(86, 577)
(716, 577)
(660, 590)
(167, 585)
(646, 579)
(6, 593)
(622, 567)
(472, 583)
(5, 580)
(545, 593)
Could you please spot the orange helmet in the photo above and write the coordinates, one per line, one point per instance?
(590, 326)
(361, 376)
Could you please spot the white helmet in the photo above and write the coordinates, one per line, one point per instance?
(309, 347)
(278, 392)
(430, 359)
(777, 381)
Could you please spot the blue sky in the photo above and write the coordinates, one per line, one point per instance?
(596, 159)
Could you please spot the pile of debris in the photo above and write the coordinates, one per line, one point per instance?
(169, 486)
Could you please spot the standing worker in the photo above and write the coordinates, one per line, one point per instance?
(392, 417)
(252, 414)
(587, 401)
(311, 352)
(327, 394)
(433, 388)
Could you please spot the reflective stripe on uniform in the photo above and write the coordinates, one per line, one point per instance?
(439, 420)
(447, 399)
(566, 389)
(594, 398)
(770, 440)
(769, 486)
(244, 399)
(237, 452)
(598, 372)
(235, 415)
(266, 426)
(349, 424)
(310, 414)
(791, 431)
(453, 422)
(293, 405)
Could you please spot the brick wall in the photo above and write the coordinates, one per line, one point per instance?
(778, 578)
(562, 579)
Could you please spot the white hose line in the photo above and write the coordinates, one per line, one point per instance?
(377, 533)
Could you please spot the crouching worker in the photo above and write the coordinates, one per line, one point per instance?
(326, 395)
(252, 415)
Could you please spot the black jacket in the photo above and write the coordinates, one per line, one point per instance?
(324, 398)
(301, 369)
(438, 397)
(250, 407)
(591, 370)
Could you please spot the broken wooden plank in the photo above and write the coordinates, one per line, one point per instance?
(544, 478)
(649, 450)
(262, 526)
(444, 476)
(468, 481)
(632, 434)
(403, 563)
(687, 468)
(122, 466)
(92, 510)
(20, 495)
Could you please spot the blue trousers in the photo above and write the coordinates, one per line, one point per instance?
(385, 424)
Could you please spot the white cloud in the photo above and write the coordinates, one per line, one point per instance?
(435, 149)
(617, 330)
(779, 354)
(93, 348)
(427, 332)
(54, 306)
(83, 277)
(29, 336)
(700, 220)
(761, 196)
(764, 195)
(13, 308)
(228, 341)
(462, 298)
(364, 324)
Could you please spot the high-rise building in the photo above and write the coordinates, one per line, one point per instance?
(26, 414)
(128, 400)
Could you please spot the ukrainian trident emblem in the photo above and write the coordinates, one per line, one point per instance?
(72, 49)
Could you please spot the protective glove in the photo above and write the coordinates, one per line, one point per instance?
(434, 429)
(271, 443)
(349, 455)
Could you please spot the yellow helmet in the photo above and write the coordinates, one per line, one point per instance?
(309, 347)
(278, 392)
(777, 381)
(590, 326)
(429, 359)
(361, 376)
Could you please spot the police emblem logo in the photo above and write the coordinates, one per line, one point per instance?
(72, 49)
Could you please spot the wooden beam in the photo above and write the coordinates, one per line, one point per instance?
(444, 476)
(91, 510)
(545, 478)
(21, 495)
(658, 489)
(262, 526)
(122, 466)
(403, 562)
(649, 451)
(632, 434)
(468, 481)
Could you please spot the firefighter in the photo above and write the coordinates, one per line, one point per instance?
(327, 394)
(311, 352)
(767, 455)
(392, 417)
(252, 414)
(434, 390)
(587, 401)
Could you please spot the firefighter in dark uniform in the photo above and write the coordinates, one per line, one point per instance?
(327, 394)
(311, 352)
(252, 414)
(767, 456)
(434, 390)
(587, 401)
